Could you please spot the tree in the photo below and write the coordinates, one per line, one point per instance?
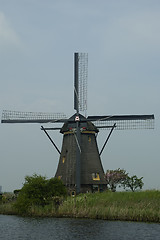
(115, 178)
(37, 190)
(0, 197)
(56, 188)
(133, 183)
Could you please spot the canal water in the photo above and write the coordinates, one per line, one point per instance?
(17, 228)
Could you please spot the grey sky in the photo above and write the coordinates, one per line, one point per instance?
(37, 42)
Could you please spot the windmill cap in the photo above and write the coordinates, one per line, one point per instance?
(83, 124)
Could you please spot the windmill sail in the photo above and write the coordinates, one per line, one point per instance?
(124, 121)
(31, 117)
(80, 104)
(80, 81)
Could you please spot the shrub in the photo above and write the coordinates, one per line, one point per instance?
(38, 191)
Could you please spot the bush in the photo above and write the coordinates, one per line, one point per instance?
(38, 191)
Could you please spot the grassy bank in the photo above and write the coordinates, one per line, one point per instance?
(129, 206)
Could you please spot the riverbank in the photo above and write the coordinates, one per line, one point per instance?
(126, 206)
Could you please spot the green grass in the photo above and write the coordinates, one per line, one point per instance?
(129, 206)
(137, 206)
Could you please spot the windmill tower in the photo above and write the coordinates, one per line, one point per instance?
(80, 166)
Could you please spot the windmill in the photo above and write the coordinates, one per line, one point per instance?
(80, 166)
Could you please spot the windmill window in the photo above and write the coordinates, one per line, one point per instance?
(89, 139)
(95, 176)
(63, 159)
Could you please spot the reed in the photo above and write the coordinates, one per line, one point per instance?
(137, 206)
(130, 206)
(7, 208)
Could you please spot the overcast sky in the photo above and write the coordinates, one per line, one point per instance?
(37, 41)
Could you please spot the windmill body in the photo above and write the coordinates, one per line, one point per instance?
(80, 166)
(90, 167)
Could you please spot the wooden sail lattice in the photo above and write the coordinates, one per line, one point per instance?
(124, 122)
(31, 117)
